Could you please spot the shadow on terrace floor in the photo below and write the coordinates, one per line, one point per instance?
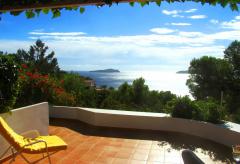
(170, 141)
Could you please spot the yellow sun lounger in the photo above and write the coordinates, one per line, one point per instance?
(39, 144)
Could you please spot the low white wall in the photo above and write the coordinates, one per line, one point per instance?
(147, 121)
(34, 117)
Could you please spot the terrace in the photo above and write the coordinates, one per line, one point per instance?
(107, 136)
(97, 144)
(88, 144)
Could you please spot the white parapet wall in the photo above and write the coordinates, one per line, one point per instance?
(147, 121)
(33, 117)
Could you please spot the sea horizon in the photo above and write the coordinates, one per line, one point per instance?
(156, 80)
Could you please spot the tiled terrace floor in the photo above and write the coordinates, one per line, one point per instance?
(87, 144)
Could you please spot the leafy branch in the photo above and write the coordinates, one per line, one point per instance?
(33, 8)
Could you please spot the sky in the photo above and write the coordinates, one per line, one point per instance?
(127, 38)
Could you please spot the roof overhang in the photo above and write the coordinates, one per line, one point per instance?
(56, 4)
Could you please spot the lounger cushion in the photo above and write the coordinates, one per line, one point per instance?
(54, 143)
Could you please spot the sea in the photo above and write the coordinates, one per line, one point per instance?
(156, 80)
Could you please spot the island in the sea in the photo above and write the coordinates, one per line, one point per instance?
(183, 72)
(107, 71)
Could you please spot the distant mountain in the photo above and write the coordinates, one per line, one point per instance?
(183, 72)
(106, 71)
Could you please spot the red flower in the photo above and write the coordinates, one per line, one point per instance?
(46, 76)
(35, 76)
(22, 77)
(62, 81)
(24, 66)
(29, 74)
(20, 70)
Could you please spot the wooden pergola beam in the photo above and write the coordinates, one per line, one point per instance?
(58, 4)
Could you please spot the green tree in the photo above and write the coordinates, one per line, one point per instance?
(184, 107)
(139, 91)
(210, 110)
(232, 55)
(124, 93)
(38, 58)
(9, 86)
(209, 76)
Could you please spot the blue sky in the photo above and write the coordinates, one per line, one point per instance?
(125, 37)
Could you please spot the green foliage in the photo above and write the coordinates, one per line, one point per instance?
(232, 56)
(9, 87)
(210, 110)
(65, 99)
(139, 91)
(82, 10)
(204, 110)
(124, 93)
(38, 59)
(183, 107)
(136, 97)
(36, 88)
(208, 77)
(56, 12)
(74, 84)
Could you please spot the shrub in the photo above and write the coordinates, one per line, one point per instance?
(184, 107)
(64, 98)
(210, 110)
(9, 83)
(36, 87)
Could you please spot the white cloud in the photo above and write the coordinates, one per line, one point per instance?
(162, 30)
(164, 46)
(191, 34)
(237, 17)
(180, 24)
(197, 17)
(214, 21)
(172, 12)
(190, 11)
(233, 24)
(176, 13)
(39, 30)
(177, 16)
(57, 33)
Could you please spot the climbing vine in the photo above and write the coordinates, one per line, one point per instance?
(33, 8)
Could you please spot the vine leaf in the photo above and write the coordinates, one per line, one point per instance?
(16, 13)
(131, 4)
(56, 13)
(45, 11)
(29, 14)
(234, 7)
(158, 2)
(82, 9)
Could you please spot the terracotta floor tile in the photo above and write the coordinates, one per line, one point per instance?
(104, 159)
(154, 162)
(142, 151)
(143, 146)
(137, 162)
(155, 158)
(108, 153)
(89, 157)
(127, 150)
(140, 156)
(88, 148)
(120, 161)
(123, 155)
